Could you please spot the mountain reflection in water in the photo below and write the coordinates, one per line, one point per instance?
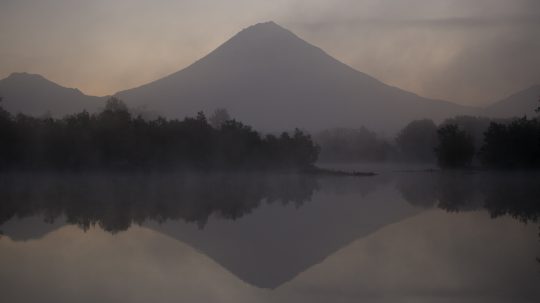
(278, 231)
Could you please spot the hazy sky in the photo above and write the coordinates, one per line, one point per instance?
(466, 51)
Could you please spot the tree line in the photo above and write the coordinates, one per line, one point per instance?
(116, 139)
(119, 138)
(462, 141)
(470, 141)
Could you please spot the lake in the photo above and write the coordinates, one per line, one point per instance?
(404, 235)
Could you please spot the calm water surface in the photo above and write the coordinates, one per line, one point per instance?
(401, 236)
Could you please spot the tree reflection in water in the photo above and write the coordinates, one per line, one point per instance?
(115, 201)
(516, 194)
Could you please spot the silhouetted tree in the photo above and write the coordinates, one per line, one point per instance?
(238, 144)
(455, 147)
(304, 151)
(474, 126)
(514, 145)
(114, 135)
(417, 140)
(8, 142)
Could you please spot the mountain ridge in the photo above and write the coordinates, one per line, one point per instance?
(518, 104)
(270, 78)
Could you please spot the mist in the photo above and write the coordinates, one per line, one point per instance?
(469, 52)
(269, 151)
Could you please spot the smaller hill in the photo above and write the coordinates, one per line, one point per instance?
(517, 105)
(34, 95)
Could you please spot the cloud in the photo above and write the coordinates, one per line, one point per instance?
(471, 52)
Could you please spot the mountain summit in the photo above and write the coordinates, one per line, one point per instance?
(268, 77)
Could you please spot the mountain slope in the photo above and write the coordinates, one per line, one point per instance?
(517, 105)
(269, 78)
(34, 95)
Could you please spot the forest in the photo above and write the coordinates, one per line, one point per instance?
(459, 142)
(119, 138)
(115, 139)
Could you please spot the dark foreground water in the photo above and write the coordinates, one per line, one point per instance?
(400, 236)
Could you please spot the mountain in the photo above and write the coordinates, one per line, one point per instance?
(517, 105)
(269, 78)
(34, 95)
